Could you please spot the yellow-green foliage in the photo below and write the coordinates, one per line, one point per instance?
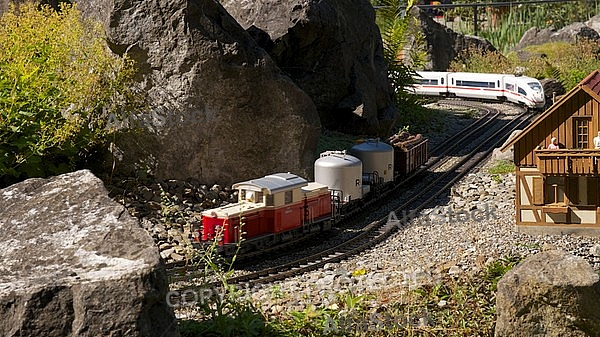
(568, 63)
(55, 75)
(478, 61)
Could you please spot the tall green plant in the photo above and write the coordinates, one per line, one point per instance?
(56, 74)
(402, 41)
(512, 21)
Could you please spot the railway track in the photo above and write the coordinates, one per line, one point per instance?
(378, 229)
(436, 160)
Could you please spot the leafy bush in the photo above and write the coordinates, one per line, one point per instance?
(56, 75)
(502, 167)
(568, 63)
(478, 61)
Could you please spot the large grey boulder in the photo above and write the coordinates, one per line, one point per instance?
(552, 293)
(331, 49)
(570, 34)
(220, 108)
(75, 263)
(443, 45)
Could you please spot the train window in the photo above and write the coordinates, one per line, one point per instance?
(288, 197)
(426, 81)
(509, 86)
(476, 84)
(498, 84)
(535, 86)
(270, 200)
(522, 92)
(442, 80)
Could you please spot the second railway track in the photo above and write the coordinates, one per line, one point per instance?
(485, 134)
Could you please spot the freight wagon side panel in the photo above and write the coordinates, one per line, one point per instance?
(407, 161)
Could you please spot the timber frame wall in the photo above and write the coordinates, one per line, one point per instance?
(557, 191)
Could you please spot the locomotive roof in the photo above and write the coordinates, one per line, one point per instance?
(273, 183)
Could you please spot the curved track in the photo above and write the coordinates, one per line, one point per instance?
(478, 140)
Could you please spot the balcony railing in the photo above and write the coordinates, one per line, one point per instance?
(564, 161)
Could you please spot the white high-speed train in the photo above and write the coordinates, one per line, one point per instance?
(517, 89)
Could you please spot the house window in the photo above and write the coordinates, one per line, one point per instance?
(581, 133)
(555, 190)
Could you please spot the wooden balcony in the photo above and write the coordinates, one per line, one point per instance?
(564, 161)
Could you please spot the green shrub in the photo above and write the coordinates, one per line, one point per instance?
(56, 75)
(502, 167)
(566, 62)
(478, 61)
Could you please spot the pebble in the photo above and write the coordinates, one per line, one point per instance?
(414, 256)
(169, 210)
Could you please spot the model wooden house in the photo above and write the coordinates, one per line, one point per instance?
(557, 190)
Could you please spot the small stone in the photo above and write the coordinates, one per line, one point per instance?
(595, 250)
(454, 270)
(165, 254)
(442, 303)
(176, 257)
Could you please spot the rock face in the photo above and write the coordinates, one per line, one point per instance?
(75, 263)
(331, 49)
(552, 293)
(444, 45)
(570, 34)
(221, 110)
(552, 89)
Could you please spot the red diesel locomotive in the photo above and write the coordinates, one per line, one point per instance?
(272, 209)
(283, 206)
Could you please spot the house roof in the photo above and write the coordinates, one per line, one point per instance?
(273, 183)
(590, 84)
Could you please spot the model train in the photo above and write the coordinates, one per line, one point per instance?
(283, 206)
(517, 89)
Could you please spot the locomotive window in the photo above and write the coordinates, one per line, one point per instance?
(476, 84)
(270, 200)
(288, 197)
(509, 86)
(521, 91)
(498, 85)
(442, 80)
(581, 133)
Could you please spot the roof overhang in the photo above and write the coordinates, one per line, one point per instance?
(274, 183)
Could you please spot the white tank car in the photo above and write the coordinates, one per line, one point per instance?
(523, 90)
(342, 173)
(377, 159)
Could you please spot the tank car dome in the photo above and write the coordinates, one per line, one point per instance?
(377, 158)
(372, 145)
(341, 172)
